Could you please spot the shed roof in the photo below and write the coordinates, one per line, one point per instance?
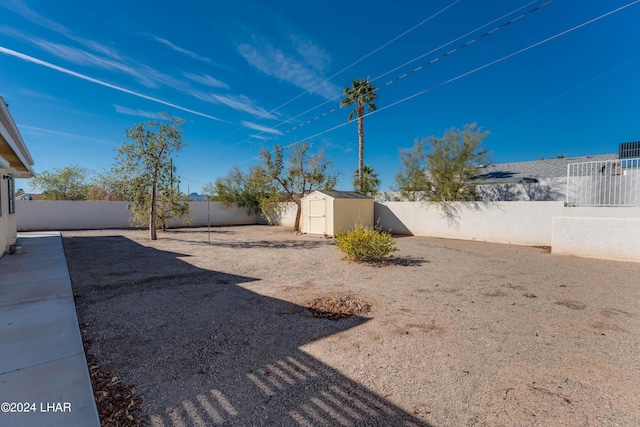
(536, 169)
(343, 194)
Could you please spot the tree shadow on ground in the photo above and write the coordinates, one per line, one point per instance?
(407, 261)
(198, 230)
(203, 350)
(260, 244)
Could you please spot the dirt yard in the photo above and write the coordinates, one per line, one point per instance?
(459, 333)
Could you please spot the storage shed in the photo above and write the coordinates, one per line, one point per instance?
(330, 212)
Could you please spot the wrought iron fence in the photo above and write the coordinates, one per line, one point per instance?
(604, 183)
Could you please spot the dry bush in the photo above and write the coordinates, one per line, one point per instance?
(340, 307)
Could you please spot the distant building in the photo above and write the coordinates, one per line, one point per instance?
(537, 180)
(546, 179)
(15, 162)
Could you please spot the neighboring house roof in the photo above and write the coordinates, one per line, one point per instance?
(14, 155)
(535, 170)
(343, 194)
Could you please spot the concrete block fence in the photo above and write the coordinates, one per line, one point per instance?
(597, 232)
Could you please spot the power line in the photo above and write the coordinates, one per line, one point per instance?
(475, 70)
(416, 69)
(409, 62)
(482, 67)
(326, 113)
(463, 45)
(372, 52)
(334, 75)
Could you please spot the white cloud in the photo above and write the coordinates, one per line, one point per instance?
(138, 113)
(32, 130)
(21, 8)
(40, 96)
(80, 57)
(236, 102)
(302, 68)
(206, 80)
(261, 128)
(242, 103)
(144, 74)
(314, 55)
(179, 49)
(81, 76)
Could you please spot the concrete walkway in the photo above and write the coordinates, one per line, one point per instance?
(42, 365)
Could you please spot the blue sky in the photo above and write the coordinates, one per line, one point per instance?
(247, 75)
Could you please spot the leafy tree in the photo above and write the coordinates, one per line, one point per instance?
(296, 177)
(369, 184)
(171, 203)
(68, 183)
(361, 93)
(245, 189)
(146, 165)
(108, 186)
(411, 179)
(454, 163)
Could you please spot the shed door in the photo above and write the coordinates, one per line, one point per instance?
(317, 215)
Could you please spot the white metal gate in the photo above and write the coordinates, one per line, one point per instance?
(317, 219)
(604, 183)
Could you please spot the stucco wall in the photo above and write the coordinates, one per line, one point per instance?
(7, 222)
(520, 223)
(78, 215)
(584, 231)
(604, 238)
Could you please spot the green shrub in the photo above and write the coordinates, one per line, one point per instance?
(366, 244)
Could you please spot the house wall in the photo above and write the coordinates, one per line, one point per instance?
(7, 222)
(545, 190)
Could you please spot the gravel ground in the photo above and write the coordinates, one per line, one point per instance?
(459, 333)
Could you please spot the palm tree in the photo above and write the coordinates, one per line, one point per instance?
(369, 183)
(361, 93)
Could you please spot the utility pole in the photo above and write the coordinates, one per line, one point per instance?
(208, 218)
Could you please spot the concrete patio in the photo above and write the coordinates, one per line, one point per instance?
(44, 380)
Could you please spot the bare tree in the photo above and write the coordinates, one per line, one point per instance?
(297, 176)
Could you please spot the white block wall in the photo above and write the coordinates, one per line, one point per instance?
(80, 215)
(604, 238)
(596, 232)
(521, 223)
